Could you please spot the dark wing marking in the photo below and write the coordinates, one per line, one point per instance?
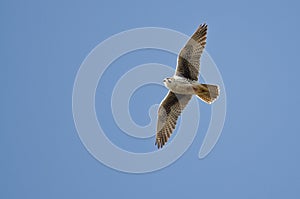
(188, 63)
(168, 113)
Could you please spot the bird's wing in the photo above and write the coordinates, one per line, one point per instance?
(168, 113)
(188, 63)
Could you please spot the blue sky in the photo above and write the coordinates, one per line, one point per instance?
(255, 45)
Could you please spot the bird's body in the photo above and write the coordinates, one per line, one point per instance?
(180, 85)
(183, 85)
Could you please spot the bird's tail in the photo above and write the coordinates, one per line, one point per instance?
(206, 92)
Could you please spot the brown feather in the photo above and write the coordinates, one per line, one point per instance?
(168, 113)
(188, 64)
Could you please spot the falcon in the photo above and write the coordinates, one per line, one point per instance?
(183, 85)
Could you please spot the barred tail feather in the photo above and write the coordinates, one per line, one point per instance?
(206, 92)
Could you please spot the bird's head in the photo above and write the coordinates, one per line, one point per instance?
(168, 80)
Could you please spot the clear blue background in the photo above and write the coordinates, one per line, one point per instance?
(255, 45)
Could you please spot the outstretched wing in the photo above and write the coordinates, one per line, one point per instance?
(188, 63)
(168, 113)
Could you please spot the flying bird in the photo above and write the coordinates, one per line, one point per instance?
(183, 85)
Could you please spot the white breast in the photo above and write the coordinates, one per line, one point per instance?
(181, 85)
